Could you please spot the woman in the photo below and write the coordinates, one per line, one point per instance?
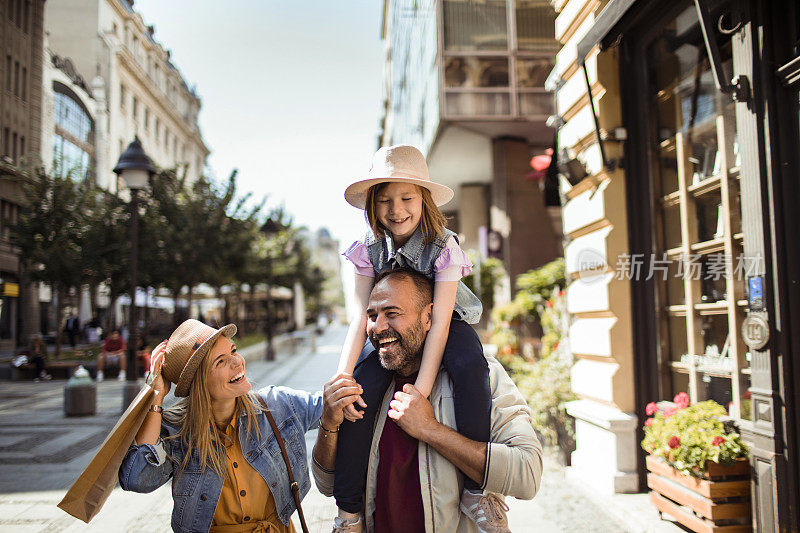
(227, 470)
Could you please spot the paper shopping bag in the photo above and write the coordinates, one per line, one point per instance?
(86, 496)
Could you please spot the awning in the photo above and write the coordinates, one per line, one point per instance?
(603, 27)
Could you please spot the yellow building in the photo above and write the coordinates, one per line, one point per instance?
(680, 168)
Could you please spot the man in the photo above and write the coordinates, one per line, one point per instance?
(113, 352)
(72, 328)
(414, 475)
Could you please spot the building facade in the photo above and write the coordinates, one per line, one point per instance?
(20, 138)
(139, 91)
(684, 271)
(464, 82)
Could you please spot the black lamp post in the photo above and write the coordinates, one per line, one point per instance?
(270, 229)
(135, 168)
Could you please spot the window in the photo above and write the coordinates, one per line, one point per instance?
(14, 146)
(16, 78)
(26, 19)
(6, 141)
(470, 25)
(72, 140)
(24, 83)
(19, 14)
(695, 173)
(156, 129)
(536, 22)
(123, 96)
(146, 118)
(22, 146)
(8, 73)
(134, 108)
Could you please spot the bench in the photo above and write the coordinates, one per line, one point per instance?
(57, 369)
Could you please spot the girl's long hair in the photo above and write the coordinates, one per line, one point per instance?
(432, 219)
(198, 432)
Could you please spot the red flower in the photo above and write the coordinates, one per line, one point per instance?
(651, 408)
(674, 442)
(681, 400)
(669, 411)
(717, 441)
(648, 422)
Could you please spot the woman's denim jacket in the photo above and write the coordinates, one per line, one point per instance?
(196, 492)
(417, 255)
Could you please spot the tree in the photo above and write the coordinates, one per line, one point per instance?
(50, 231)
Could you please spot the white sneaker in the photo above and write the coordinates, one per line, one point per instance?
(488, 511)
(348, 525)
(121, 376)
(99, 376)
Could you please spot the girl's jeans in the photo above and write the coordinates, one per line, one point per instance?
(464, 361)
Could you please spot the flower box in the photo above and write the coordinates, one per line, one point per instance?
(718, 502)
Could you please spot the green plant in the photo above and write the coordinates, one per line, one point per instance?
(688, 437)
(489, 270)
(545, 384)
(539, 285)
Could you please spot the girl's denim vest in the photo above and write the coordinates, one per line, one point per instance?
(417, 255)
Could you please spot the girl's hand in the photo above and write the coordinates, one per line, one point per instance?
(353, 414)
(158, 382)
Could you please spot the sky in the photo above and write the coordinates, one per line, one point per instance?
(290, 96)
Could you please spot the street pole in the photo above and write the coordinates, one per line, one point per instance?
(131, 382)
(270, 355)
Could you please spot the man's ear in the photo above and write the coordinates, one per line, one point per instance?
(427, 316)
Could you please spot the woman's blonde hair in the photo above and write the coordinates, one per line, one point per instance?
(198, 432)
(432, 219)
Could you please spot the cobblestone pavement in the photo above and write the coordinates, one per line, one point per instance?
(42, 452)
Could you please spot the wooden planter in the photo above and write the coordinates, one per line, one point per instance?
(718, 503)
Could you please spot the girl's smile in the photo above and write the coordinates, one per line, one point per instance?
(399, 210)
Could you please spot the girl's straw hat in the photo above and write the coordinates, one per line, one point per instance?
(186, 348)
(397, 164)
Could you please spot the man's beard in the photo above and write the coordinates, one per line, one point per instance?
(405, 352)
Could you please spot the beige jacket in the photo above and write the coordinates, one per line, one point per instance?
(513, 459)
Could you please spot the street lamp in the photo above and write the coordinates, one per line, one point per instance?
(270, 229)
(135, 168)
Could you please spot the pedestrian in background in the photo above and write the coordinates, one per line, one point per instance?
(73, 328)
(37, 353)
(217, 443)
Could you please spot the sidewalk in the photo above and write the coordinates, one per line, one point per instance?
(42, 453)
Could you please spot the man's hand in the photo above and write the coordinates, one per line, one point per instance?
(413, 413)
(339, 392)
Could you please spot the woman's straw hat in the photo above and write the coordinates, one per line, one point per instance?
(401, 163)
(186, 348)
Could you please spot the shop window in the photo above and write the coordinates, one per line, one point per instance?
(470, 25)
(695, 169)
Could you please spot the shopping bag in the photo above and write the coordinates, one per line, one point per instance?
(86, 496)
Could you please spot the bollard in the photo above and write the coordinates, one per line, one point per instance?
(80, 394)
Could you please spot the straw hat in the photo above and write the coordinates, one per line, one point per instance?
(186, 348)
(401, 163)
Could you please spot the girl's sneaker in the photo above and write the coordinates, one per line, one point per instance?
(487, 510)
(348, 525)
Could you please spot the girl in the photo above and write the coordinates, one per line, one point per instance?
(227, 470)
(408, 231)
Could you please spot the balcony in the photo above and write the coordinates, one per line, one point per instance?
(496, 56)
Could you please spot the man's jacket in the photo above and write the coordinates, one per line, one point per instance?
(513, 458)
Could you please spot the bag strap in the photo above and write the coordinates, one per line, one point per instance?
(292, 483)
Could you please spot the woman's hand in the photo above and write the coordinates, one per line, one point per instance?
(339, 393)
(158, 382)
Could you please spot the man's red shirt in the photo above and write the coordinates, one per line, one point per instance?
(398, 502)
